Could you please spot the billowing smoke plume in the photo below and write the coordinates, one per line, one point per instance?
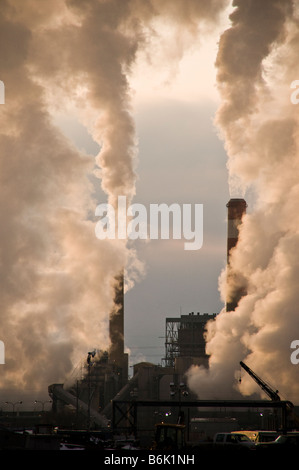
(256, 65)
(68, 56)
(55, 279)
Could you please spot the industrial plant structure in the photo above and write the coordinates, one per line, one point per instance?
(97, 394)
(103, 381)
(184, 340)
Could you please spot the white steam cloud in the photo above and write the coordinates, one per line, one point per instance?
(257, 62)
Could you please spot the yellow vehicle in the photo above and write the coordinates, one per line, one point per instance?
(169, 436)
(260, 436)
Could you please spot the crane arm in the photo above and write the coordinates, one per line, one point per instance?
(264, 386)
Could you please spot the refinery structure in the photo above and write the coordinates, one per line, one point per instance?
(101, 396)
(184, 343)
(203, 97)
(104, 396)
(104, 381)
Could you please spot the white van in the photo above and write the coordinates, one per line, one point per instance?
(233, 439)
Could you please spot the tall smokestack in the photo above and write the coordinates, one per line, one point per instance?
(236, 208)
(117, 356)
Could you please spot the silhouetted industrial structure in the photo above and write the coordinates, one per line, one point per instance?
(184, 338)
(236, 209)
(102, 393)
(104, 374)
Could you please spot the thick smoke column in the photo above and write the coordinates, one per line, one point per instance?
(256, 65)
(56, 288)
(54, 279)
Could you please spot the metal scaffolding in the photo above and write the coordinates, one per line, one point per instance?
(184, 336)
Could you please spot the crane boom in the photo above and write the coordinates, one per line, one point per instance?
(264, 386)
(271, 393)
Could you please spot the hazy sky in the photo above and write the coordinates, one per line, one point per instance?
(180, 160)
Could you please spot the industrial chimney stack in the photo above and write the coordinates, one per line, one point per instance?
(236, 208)
(117, 357)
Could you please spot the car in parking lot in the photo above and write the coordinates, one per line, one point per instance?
(231, 439)
(290, 440)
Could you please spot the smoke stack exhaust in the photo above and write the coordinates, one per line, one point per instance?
(236, 208)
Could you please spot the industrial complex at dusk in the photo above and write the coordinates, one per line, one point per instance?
(149, 239)
(103, 408)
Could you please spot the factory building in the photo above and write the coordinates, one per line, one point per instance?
(101, 379)
(104, 375)
(101, 376)
(185, 341)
